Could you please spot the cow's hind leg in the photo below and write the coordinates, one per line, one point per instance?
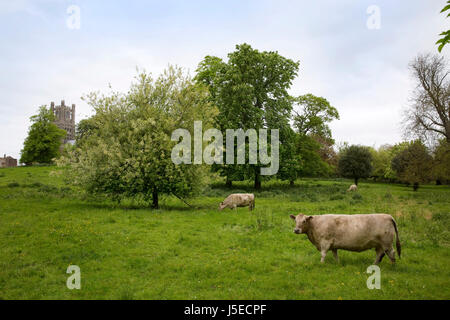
(335, 254)
(380, 255)
(391, 254)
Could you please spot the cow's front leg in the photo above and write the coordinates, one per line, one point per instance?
(324, 247)
(323, 253)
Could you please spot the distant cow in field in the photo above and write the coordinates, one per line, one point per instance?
(357, 232)
(238, 200)
(353, 187)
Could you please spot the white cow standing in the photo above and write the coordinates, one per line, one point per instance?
(353, 187)
(358, 232)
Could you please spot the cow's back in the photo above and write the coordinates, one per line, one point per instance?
(239, 199)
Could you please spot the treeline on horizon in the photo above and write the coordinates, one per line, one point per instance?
(125, 147)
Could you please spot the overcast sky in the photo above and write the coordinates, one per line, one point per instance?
(362, 71)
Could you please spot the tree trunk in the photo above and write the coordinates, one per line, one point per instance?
(356, 181)
(257, 179)
(291, 183)
(229, 183)
(155, 199)
(415, 186)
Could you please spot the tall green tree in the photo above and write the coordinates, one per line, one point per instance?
(441, 162)
(381, 161)
(445, 34)
(292, 158)
(251, 92)
(311, 118)
(312, 164)
(355, 162)
(84, 128)
(327, 152)
(127, 148)
(313, 115)
(413, 165)
(44, 139)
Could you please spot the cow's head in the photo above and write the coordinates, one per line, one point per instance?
(301, 223)
(221, 206)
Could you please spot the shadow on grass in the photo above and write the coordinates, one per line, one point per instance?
(110, 205)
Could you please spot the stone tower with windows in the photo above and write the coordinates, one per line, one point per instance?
(65, 119)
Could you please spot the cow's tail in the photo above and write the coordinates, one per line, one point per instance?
(397, 242)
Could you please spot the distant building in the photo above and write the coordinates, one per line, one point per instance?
(7, 162)
(65, 119)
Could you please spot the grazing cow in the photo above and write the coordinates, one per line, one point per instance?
(238, 200)
(353, 187)
(357, 232)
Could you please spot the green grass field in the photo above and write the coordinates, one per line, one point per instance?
(128, 251)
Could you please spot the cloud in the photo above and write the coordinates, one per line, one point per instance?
(19, 6)
(364, 73)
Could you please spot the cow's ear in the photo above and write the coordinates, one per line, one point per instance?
(292, 217)
(309, 218)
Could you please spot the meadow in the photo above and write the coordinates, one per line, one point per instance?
(130, 251)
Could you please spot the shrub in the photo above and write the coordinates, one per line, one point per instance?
(36, 185)
(355, 162)
(357, 197)
(443, 217)
(388, 195)
(267, 194)
(313, 197)
(336, 197)
(131, 148)
(48, 189)
(13, 184)
(433, 233)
